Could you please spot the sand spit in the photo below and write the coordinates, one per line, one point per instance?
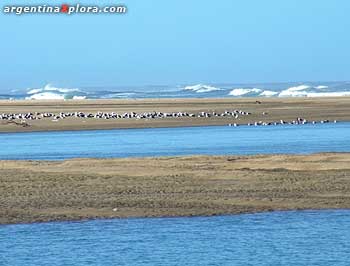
(262, 110)
(33, 191)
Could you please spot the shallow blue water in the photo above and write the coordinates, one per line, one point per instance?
(176, 141)
(280, 238)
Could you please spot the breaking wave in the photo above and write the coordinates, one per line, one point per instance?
(311, 91)
(295, 91)
(200, 88)
(321, 87)
(245, 92)
(290, 89)
(268, 93)
(302, 90)
(52, 93)
(252, 92)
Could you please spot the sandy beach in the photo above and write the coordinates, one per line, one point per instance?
(33, 191)
(266, 110)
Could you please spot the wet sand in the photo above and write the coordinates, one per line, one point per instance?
(33, 191)
(337, 108)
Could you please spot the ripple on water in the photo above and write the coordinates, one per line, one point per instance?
(279, 238)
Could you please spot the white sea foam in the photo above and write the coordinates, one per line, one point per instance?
(79, 97)
(34, 91)
(309, 91)
(244, 91)
(328, 94)
(296, 91)
(268, 93)
(287, 93)
(321, 87)
(299, 88)
(50, 92)
(46, 96)
(200, 88)
(49, 87)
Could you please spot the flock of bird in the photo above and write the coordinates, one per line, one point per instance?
(113, 115)
(24, 117)
(298, 121)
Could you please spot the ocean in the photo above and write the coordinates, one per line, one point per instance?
(287, 89)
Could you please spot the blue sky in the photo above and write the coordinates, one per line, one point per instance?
(177, 42)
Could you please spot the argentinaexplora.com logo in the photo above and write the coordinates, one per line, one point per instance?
(64, 9)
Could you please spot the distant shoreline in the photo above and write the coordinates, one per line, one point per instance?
(183, 186)
(261, 109)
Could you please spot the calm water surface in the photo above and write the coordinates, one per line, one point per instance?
(280, 238)
(176, 141)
